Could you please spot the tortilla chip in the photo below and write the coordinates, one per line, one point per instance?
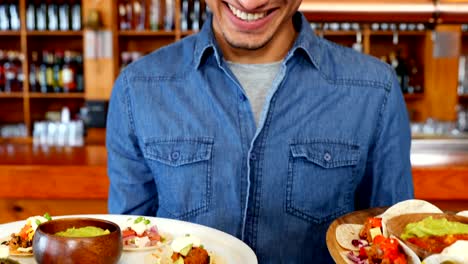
(346, 233)
(407, 207)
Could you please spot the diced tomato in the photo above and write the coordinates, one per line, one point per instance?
(362, 253)
(375, 222)
(128, 232)
(154, 236)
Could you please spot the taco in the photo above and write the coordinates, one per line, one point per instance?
(141, 234)
(371, 241)
(429, 234)
(186, 249)
(20, 244)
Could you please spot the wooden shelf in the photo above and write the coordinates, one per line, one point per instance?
(57, 95)
(11, 95)
(55, 33)
(414, 96)
(400, 33)
(337, 33)
(10, 33)
(146, 33)
(189, 32)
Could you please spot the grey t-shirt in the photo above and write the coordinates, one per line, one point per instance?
(256, 79)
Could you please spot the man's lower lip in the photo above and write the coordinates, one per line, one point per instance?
(248, 25)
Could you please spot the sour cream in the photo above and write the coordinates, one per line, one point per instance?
(181, 242)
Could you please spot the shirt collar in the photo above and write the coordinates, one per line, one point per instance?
(306, 41)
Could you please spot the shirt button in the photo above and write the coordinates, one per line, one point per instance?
(175, 155)
(253, 156)
(327, 156)
(242, 97)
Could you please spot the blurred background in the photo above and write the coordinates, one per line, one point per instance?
(59, 59)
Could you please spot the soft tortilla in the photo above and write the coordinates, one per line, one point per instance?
(407, 207)
(410, 254)
(346, 233)
(463, 213)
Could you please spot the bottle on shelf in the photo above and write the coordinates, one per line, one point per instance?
(31, 16)
(9, 15)
(13, 12)
(50, 71)
(57, 69)
(169, 15)
(33, 72)
(42, 73)
(78, 58)
(18, 61)
(64, 15)
(68, 73)
(41, 15)
(13, 72)
(139, 14)
(155, 14)
(402, 72)
(125, 15)
(4, 21)
(2, 71)
(52, 16)
(75, 15)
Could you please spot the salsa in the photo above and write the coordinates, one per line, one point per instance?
(434, 235)
(87, 231)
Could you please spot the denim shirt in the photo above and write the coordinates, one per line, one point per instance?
(333, 138)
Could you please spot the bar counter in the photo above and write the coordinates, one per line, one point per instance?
(66, 180)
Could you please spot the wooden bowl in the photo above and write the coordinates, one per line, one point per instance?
(49, 248)
(396, 226)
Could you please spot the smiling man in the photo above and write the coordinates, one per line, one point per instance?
(259, 128)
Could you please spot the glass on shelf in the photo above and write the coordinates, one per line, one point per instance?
(13, 131)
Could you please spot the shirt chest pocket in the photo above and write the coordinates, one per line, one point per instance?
(182, 171)
(320, 179)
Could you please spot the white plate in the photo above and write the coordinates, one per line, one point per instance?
(228, 248)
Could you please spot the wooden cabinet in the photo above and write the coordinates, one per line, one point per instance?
(437, 75)
(25, 106)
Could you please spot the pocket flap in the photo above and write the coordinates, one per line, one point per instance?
(327, 154)
(178, 152)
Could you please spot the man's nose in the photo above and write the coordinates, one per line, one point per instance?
(253, 4)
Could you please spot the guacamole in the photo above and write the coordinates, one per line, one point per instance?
(434, 227)
(87, 231)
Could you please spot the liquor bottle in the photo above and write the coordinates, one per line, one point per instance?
(184, 16)
(31, 16)
(139, 14)
(68, 74)
(4, 21)
(64, 15)
(42, 73)
(402, 72)
(41, 15)
(169, 17)
(196, 15)
(50, 71)
(13, 11)
(33, 72)
(76, 15)
(10, 73)
(18, 62)
(2, 71)
(123, 23)
(79, 73)
(57, 69)
(154, 16)
(52, 15)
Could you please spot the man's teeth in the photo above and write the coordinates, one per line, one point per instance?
(246, 16)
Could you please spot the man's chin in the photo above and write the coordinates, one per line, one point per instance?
(247, 45)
